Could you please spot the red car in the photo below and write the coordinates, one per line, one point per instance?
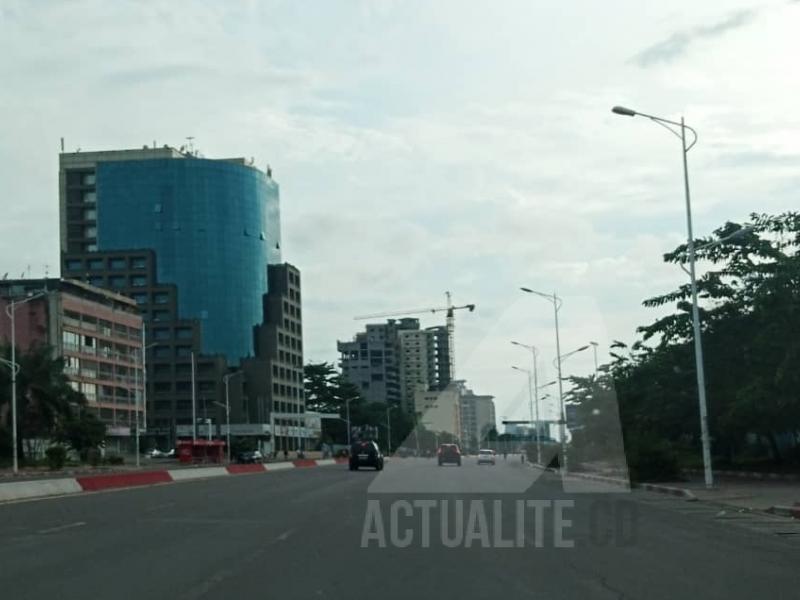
(449, 453)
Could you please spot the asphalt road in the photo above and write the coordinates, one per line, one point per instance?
(299, 534)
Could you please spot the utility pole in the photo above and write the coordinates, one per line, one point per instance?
(194, 403)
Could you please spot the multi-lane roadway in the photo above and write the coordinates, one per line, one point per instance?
(414, 530)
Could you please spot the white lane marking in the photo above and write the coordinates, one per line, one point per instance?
(63, 527)
(285, 535)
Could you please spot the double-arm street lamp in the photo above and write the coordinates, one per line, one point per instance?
(680, 132)
(557, 302)
(11, 307)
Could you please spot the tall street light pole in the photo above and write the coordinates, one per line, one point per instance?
(349, 441)
(389, 410)
(10, 311)
(698, 342)
(557, 302)
(534, 355)
(226, 379)
(530, 399)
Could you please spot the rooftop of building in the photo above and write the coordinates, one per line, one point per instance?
(19, 288)
(81, 158)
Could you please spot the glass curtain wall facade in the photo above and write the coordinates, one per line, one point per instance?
(213, 224)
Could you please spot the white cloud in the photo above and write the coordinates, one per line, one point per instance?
(421, 147)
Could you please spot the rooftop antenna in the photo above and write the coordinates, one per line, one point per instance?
(190, 139)
(62, 144)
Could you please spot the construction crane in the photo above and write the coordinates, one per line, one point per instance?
(449, 310)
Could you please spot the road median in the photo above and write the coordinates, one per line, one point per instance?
(62, 486)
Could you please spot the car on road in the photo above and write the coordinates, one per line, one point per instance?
(449, 453)
(366, 454)
(486, 457)
(249, 457)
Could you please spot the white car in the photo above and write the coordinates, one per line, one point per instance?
(486, 457)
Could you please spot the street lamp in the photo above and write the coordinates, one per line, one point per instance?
(531, 387)
(698, 343)
(557, 302)
(349, 441)
(226, 378)
(594, 349)
(389, 409)
(14, 366)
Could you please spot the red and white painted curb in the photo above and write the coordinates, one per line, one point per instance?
(23, 490)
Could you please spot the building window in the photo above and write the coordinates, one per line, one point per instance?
(117, 281)
(89, 197)
(90, 247)
(160, 298)
(160, 333)
(139, 297)
(73, 265)
(184, 333)
(96, 281)
(160, 315)
(138, 281)
(183, 351)
(118, 264)
(88, 178)
(138, 262)
(90, 214)
(96, 264)
(162, 386)
(183, 386)
(90, 231)
(161, 352)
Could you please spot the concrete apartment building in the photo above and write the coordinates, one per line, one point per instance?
(438, 341)
(97, 332)
(372, 360)
(391, 361)
(190, 240)
(477, 417)
(273, 390)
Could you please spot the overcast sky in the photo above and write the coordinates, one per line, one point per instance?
(427, 146)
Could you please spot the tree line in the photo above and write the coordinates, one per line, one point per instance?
(749, 303)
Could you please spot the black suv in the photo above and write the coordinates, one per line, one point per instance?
(365, 454)
(449, 453)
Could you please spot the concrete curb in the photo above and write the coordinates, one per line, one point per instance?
(785, 511)
(41, 488)
(626, 484)
(754, 475)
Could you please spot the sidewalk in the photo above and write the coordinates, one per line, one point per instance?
(746, 494)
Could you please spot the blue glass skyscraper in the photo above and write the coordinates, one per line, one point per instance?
(214, 225)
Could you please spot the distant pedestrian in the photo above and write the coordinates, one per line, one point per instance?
(285, 454)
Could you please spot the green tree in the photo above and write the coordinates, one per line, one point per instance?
(44, 396)
(82, 433)
(749, 301)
